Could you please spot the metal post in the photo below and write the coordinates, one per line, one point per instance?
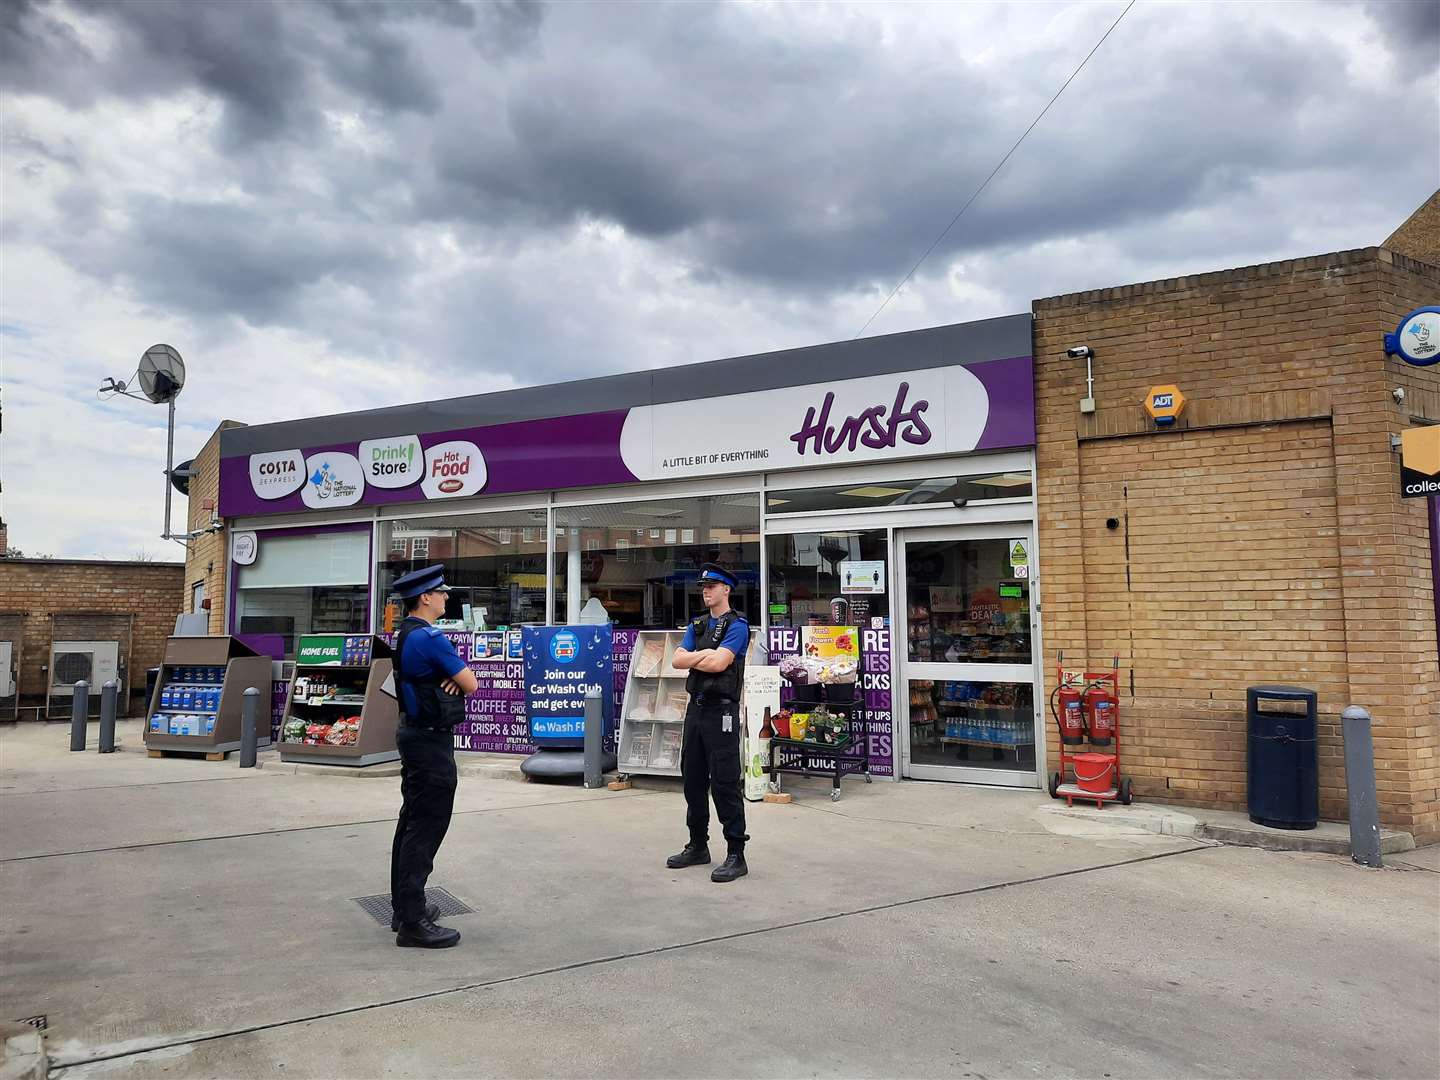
(169, 465)
(109, 697)
(249, 703)
(79, 710)
(594, 736)
(1360, 783)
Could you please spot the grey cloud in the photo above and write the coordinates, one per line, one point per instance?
(207, 259)
(1412, 31)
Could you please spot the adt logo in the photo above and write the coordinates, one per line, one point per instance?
(564, 647)
(1162, 401)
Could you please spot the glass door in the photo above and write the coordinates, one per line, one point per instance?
(967, 709)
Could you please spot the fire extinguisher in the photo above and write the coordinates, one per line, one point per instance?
(1098, 707)
(1070, 717)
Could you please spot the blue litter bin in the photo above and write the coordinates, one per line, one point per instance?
(1283, 758)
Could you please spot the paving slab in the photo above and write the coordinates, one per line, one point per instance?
(1259, 978)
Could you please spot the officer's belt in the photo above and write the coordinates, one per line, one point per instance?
(446, 728)
(705, 699)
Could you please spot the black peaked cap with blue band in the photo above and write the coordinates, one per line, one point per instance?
(431, 579)
(711, 572)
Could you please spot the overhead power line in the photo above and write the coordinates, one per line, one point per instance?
(961, 213)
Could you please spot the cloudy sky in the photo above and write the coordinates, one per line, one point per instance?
(329, 205)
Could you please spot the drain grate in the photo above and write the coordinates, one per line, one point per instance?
(378, 906)
(39, 1023)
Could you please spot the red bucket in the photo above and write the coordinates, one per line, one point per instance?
(1094, 772)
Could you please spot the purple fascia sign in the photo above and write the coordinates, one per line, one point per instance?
(987, 405)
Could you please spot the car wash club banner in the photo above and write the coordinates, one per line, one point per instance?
(495, 717)
(987, 405)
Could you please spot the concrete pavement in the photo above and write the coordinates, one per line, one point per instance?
(185, 917)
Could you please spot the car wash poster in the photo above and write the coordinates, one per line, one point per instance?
(562, 665)
(874, 720)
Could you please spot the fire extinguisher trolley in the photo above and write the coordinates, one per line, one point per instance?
(1089, 708)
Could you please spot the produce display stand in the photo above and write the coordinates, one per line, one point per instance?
(339, 677)
(789, 756)
(195, 707)
(652, 713)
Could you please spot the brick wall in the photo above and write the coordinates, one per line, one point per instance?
(1268, 541)
(90, 597)
(208, 556)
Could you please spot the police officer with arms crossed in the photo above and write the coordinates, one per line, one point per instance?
(431, 682)
(714, 653)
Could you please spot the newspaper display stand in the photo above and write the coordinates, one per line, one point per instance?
(652, 715)
(195, 707)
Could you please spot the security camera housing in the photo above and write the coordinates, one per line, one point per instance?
(1079, 352)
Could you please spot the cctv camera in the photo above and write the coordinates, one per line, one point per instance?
(1079, 352)
(960, 503)
(1399, 395)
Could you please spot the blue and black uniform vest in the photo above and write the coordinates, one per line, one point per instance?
(437, 708)
(725, 684)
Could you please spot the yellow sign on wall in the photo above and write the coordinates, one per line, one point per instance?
(1164, 404)
(1420, 461)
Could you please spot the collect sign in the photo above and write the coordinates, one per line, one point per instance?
(562, 663)
(1420, 462)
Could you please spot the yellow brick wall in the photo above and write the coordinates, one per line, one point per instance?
(208, 557)
(37, 589)
(1284, 495)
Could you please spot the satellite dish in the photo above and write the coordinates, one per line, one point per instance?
(162, 373)
(181, 475)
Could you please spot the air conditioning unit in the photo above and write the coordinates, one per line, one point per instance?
(97, 662)
(7, 669)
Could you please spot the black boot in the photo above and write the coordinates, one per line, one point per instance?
(432, 912)
(425, 934)
(693, 855)
(733, 867)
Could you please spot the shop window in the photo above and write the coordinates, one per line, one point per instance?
(311, 583)
(828, 579)
(494, 565)
(642, 559)
(870, 495)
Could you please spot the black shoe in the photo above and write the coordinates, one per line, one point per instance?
(693, 855)
(432, 912)
(733, 867)
(425, 934)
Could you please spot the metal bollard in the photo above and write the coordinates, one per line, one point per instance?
(594, 737)
(1360, 784)
(79, 711)
(249, 703)
(109, 700)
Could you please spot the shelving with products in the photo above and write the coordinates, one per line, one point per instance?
(197, 702)
(340, 712)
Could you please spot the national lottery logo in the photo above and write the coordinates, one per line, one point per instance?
(564, 647)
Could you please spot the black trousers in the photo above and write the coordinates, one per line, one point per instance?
(427, 788)
(710, 765)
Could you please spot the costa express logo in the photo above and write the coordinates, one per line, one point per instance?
(277, 474)
(879, 427)
(564, 647)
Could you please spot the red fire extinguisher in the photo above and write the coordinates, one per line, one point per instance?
(1071, 717)
(1098, 707)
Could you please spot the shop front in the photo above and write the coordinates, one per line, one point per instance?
(884, 484)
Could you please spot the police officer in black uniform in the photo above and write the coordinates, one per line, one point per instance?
(714, 653)
(431, 682)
